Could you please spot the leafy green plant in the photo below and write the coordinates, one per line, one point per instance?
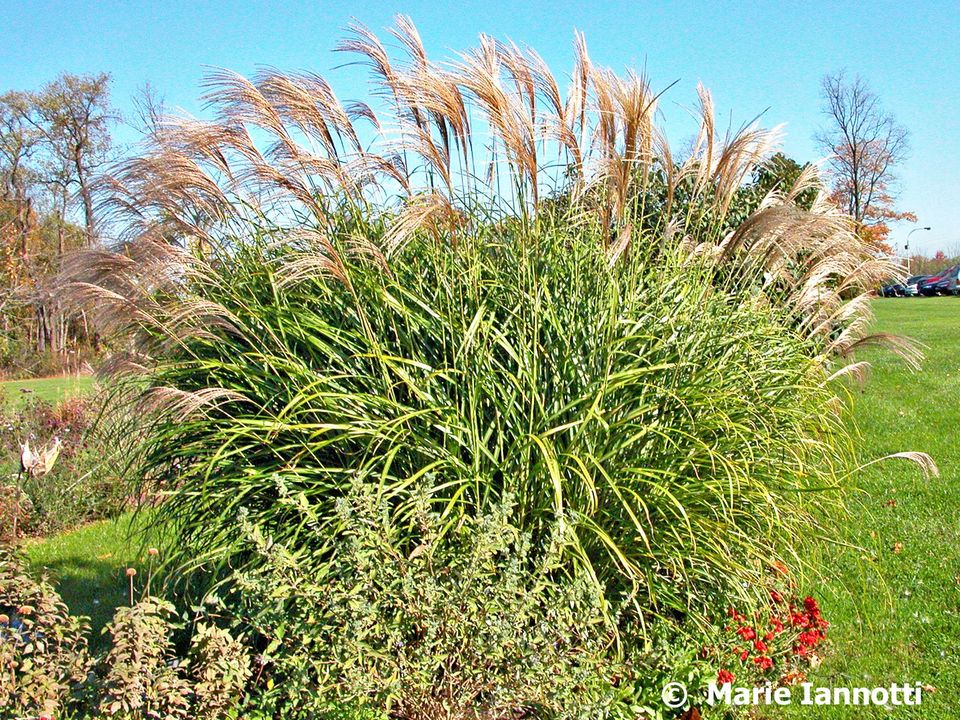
(144, 678)
(471, 627)
(43, 649)
(141, 680)
(220, 670)
(47, 671)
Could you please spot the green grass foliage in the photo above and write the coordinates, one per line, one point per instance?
(678, 435)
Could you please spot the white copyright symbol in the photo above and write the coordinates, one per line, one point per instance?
(674, 695)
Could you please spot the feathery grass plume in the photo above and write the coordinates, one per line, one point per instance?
(632, 346)
(600, 149)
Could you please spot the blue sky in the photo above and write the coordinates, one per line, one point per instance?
(759, 57)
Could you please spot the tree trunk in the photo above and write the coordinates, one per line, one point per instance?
(86, 196)
(42, 331)
(23, 229)
(88, 216)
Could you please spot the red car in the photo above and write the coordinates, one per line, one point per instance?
(930, 286)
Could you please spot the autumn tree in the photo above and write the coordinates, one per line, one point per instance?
(865, 144)
(52, 145)
(19, 144)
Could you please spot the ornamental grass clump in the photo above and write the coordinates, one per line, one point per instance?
(672, 429)
(480, 291)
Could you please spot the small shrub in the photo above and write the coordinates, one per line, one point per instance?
(141, 679)
(220, 669)
(43, 649)
(477, 626)
(47, 671)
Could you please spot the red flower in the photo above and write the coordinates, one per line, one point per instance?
(743, 655)
(760, 646)
(776, 597)
(810, 605)
(746, 632)
(763, 662)
(768, 637)
(724, 677)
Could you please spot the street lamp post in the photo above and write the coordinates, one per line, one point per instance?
(906, 246)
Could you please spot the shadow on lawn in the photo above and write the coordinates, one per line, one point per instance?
(87, 566)
(90, 587)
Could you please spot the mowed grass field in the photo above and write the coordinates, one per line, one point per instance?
(894, 605)
(892, 595)
(52, 389)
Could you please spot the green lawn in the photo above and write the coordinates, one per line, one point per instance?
(53, 389)
(895, 607)
(88, 565)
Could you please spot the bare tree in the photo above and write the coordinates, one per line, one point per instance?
(865, 144)
(149, 109)
(73, 112)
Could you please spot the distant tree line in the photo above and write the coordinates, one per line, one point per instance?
(931, 265)
(53, 144)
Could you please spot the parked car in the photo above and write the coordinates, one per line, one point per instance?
(947, 285)
(911, 284)
(893, 290)
(929, 286)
